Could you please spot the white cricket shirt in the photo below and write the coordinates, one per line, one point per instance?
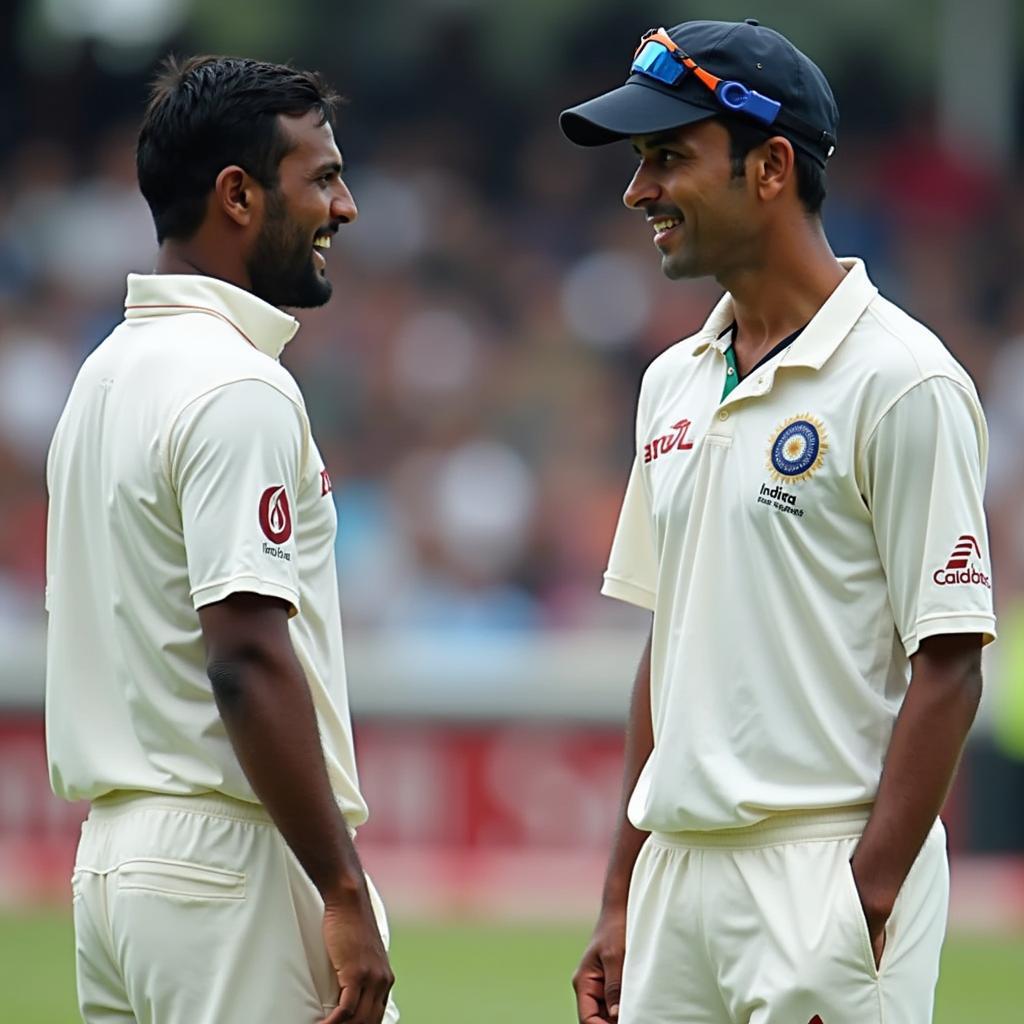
(796, 542)
(182, 470)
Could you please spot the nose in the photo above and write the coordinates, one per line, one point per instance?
(641, 190)
(343, 206)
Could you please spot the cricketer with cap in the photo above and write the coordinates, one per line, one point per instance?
(195, 669)
(804, 520)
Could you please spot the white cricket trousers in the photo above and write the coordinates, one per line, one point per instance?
(764, 926)
(193, 910)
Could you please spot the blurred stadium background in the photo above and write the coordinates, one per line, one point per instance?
(472, 387)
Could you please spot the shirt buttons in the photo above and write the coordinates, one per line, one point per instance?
(729, 372)
(723, 415)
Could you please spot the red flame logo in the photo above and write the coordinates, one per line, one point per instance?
(275, 514)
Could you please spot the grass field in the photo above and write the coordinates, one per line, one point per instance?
(468, 974)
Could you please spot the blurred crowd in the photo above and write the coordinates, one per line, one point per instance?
(472, 383)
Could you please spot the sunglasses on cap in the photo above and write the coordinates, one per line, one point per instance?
(660, 58)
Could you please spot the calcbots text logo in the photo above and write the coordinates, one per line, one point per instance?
(797, 448)
(959, 567)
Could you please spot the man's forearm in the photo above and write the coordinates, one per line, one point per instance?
(265, 704)
(923, 753)
(639, 744)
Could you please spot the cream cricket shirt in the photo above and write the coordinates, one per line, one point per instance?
(182, 470)
(796, 542)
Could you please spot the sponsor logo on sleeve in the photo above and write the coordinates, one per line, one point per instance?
(276, 521)
(671, 442)
(961, 569)
(325, 483)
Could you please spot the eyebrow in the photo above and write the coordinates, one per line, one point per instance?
(330, 165)
(658, 139)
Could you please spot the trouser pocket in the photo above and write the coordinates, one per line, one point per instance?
(857, 923)
(179, 878)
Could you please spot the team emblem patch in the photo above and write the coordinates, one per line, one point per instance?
(797, 448)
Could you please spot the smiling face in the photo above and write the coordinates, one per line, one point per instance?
(705, 219)
(285, 264)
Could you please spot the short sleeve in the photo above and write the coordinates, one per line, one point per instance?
(235, 457)
(924, 478)
(632, 573)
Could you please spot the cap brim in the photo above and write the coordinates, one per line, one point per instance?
(632, 109)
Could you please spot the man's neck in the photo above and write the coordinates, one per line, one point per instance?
(177, 257)
(782, 293)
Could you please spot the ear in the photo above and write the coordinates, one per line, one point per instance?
(774, 167)
(238, 195)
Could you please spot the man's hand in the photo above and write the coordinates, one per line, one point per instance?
(877, 936)
(598, 979)
(941, 701)
(360, 962)
(263, 697)
(876, 909)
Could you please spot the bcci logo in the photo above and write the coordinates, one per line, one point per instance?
(797, 449)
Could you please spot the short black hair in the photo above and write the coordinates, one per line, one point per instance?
(810, 175)
(207, 113)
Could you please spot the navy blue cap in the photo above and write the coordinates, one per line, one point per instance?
(746, 52)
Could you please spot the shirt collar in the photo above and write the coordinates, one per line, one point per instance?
(265, 327)
(821, 337)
